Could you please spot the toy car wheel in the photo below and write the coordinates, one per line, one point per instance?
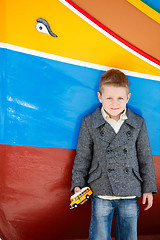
(87, 196)
(75, 205)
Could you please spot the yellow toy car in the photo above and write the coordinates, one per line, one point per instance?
(79, 197)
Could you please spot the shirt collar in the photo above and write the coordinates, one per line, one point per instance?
(106, 116)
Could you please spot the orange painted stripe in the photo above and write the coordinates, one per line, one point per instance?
(114, 35)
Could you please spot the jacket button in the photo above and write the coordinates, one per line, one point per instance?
(110, 169)
(126, 170)
(125, 150)
(102, 133)
(128, 133)
(109, 151)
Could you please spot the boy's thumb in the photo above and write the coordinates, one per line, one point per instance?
(144, 199)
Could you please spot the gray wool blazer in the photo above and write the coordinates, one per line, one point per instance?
(114, 164)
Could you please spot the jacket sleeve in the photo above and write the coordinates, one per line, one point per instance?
(146, 166)
(83, 157)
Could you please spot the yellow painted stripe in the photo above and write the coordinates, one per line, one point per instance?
(2, 20)
(76, 38)
(146, 9)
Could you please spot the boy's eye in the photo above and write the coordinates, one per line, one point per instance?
(120, 98)
(109, 98)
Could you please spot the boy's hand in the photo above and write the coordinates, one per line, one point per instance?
(77, 189)
(147, 198)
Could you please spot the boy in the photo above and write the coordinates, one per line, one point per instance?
(114, 158)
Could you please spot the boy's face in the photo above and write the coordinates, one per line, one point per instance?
(114, 100)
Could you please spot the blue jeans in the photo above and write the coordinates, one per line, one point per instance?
(126, 213)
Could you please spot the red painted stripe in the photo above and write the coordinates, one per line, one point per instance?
(35, 191)
(113, 34)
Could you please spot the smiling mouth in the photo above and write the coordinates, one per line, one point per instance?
(114, 108)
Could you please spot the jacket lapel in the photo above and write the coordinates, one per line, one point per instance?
(104, 131)
(107, 134)
(126, 131)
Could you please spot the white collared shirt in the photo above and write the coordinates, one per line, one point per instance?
(116, 125)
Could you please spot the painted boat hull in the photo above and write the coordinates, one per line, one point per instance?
(47, 86)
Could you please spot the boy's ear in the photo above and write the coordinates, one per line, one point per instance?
(129, 94)
(99, 96)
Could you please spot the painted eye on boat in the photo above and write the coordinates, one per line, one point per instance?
(43, 27)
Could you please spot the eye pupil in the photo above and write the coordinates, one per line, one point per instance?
(40, 28)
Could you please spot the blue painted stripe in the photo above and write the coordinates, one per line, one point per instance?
(42, 101)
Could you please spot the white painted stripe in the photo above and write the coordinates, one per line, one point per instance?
(108, 35)
(74, 61)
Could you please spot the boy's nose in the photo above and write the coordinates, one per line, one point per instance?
(114, 102)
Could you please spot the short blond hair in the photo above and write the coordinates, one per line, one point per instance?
(114, 78)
